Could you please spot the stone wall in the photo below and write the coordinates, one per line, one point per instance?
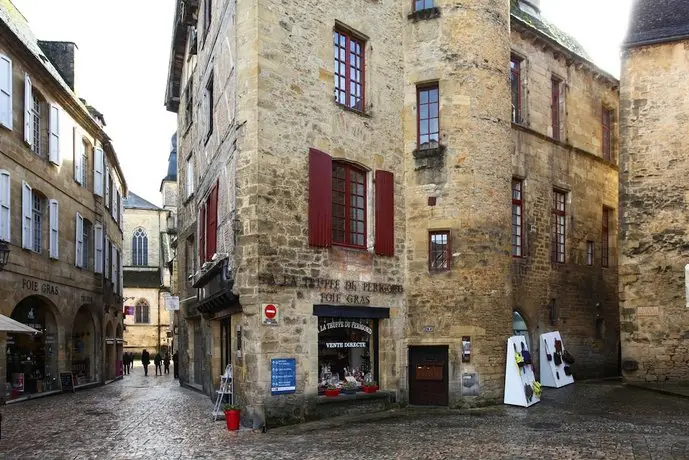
(153, 222)
(654, 196)
(585, 297)
(139, 336)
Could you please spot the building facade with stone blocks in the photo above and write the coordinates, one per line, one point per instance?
(654, 311)
(61, 218)
(345, 215)
(147, 276)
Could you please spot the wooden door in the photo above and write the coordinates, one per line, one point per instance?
(428, 376)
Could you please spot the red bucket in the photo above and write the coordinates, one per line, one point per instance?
(232, 419)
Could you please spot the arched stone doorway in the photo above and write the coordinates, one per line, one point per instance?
(519, 327)
(84, 347)
(109, 351)
(32, 360)
(119, 349)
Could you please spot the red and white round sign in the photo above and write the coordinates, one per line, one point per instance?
(270, 311)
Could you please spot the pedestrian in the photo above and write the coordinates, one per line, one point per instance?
(166, 362)
(125, 362)
(145, 360)
(175, 365)
(157, 361)
(131, 362)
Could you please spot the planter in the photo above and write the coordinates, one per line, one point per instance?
(349, 391)
(332, 393)
(232, 419)
(371, 389)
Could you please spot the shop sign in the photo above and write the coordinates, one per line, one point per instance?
(346, 344)
(283, 376)
(128, 311)
(172, 303)
(270, 314)
(344, 324)
(86, 299)
(43, 288)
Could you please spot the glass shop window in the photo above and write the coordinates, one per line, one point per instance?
(346, 351)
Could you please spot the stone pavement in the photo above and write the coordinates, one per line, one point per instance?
(152, 417)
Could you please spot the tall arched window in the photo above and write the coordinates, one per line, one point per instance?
(140, 247)
(141, 313)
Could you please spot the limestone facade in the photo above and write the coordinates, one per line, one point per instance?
(278, 139)
(61, 200)
(654, 310)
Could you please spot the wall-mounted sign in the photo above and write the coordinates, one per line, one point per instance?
(270, 314)
(283, 376)
(428, 329)
(346, 344)
(129, 311)
(43, 288)
(172, 303)
(344, 324)
(466, 349)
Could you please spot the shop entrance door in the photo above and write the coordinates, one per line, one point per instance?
(428, 376)
(198, 353)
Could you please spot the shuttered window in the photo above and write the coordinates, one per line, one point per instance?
(385, 214)
(54, 229)
(27, 216)
(106, 258)
(98, 245)
(5, 214)
(106, 183)
(349, 70)
(78, 157)
(54, 139)
(5, 91)
(212, 223)
(320, 199)
(98, 171)
(28, 111)
(79, 241)
(202, 234)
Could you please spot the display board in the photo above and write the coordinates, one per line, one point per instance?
(67, 381)
(283, 376)
(554, 369)
(520, 379)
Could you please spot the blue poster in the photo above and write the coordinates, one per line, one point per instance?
(283, 376)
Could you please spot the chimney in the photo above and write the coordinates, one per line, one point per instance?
(532, 7)
(63, 56)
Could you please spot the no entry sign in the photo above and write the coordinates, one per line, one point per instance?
(270, 314)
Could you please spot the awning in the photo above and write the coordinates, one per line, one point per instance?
(7, 324)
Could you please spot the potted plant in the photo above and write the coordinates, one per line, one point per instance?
(232, 413)
(350, 388)
(370, 387)
(331, 391)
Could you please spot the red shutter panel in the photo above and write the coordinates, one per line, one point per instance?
(385, 213)
(320, 199)
(202, 235)
(212, 229)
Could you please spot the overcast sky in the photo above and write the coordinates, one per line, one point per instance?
(124, 48)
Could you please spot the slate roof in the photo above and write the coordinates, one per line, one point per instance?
(134, 201)
(657, 21)
(550, 30)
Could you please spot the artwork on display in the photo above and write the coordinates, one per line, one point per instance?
(521, 386)
(555, 361)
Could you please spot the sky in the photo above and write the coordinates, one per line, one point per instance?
(123, 58)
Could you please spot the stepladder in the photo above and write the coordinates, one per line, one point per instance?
(224, 394)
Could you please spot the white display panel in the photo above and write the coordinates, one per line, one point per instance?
(516, 378)
(552, 375)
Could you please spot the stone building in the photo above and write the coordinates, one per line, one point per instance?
(61, 189)
(347, 174)
(653, 236)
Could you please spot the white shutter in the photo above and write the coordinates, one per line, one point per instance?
(121, 212)
(106, 264)
(113, 265)
(113, 206)
(78, 155)
(98, 172)
(107, 184)
(28, 112)
(54, 141)
(54, 229)
(98, 245)
(5, 91)
(27, 221)
(190, 176)
(79, 241)
(5, 215)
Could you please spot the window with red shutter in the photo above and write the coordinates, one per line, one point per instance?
(320, 199)
(385, 213)
(212, 222)
(202, 234)
(349, 205)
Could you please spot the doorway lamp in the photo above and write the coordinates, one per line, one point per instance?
(4, 253)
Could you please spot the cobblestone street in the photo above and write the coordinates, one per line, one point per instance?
(153, 417)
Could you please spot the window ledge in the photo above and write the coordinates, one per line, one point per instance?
(422, 15)
(349, 109)
(429, 152)
(359, 396)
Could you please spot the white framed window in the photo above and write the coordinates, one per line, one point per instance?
(84, 164)
(27, 224)
(98, 171)
(37, 217)
(36, 115)
(79, 241)
(5, 214)
(106, 183)
(54, 229)
(189, 176)
(208, 109)
(78, 155)
(54, 140)
(5, 91)
(98, 245)
(106, 263)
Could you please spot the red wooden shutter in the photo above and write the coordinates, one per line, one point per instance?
(212, 227)
(320, 199)
(202, 234)
(385, 214)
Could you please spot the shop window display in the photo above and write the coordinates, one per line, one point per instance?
(347, 349)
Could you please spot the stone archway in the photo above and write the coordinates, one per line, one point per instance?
(84, 346)
(519, 327)
(110, 356)
(32, 364)
(119, 348)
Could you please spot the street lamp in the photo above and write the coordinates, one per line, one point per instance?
(4, 253)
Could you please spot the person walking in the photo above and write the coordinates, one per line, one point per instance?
(158, 361)
(131, 362)
(166, 362)
(175, 364)
(145, 360)
(125, 363)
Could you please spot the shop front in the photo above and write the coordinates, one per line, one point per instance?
(84, 347)
(32, 360)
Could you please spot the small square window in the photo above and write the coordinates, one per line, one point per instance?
(420, 5)
(439, 253)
